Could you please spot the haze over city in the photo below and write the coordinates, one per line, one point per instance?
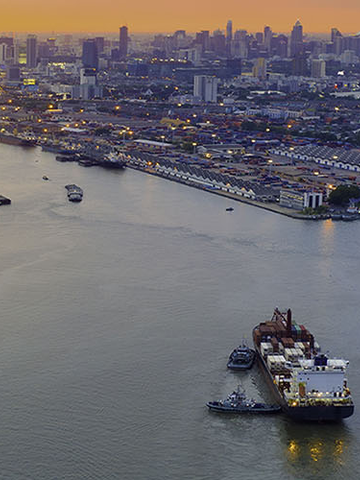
(166, 16)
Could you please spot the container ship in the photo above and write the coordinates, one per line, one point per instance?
(309, 385)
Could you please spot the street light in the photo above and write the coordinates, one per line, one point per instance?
(270, 163)
(194, 145)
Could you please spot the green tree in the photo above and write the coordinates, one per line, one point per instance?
(343, 193)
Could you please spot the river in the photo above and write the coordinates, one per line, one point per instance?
(118, 315)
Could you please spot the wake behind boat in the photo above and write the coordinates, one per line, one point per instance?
(237, 402)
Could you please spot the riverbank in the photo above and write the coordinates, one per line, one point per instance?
(272, 207)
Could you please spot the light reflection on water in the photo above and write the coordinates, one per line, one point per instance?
(317, 449)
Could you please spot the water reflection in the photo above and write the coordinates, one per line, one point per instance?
(314, 449)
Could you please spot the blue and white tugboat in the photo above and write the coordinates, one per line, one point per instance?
(237, 402)
(241, 358)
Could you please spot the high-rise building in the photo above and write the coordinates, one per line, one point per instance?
(203, 38)
(31, 51)
(229, 37)
(205, 88)
(259, 70)
(90, 54)
(318, 68)
(123, 42)
(259, 37)
(296, 40)
(100, 43)
(3, 53)
(279, 45)
(8, 53)
(335, 33)
(299, 65)
(267, 38)
(89, 87)
(229, 31)
(219, 43)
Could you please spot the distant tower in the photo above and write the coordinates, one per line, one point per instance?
(31, 51)
(229, 33)
(123, 42)
(90, 54)
(229, 36)
(334, 34)
(267, 38)
(296, 40)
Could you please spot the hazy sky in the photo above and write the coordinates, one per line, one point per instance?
(167, 15)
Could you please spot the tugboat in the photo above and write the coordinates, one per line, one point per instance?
(242, 358)
(75, 193)
(237, 402)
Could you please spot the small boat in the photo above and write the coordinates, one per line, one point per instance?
(237, 402)
(75, 193)
(241, 358)
(229, 209)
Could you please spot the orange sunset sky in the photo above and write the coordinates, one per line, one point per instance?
(167, 15)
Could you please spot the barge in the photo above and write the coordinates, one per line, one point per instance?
(308, 385)
(74, 192)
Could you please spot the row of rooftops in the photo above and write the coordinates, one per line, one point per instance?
(314, 152)
(231, 181)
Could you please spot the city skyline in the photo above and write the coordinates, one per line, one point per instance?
(317, 16)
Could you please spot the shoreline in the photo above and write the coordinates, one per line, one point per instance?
(231, 196)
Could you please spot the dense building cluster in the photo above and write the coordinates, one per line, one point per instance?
(267, 116)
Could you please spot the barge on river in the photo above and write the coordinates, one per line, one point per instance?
(308, 385)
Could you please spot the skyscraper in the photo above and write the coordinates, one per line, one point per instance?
(219, 43)
(229, 33)
(296, 40)
(203, 39)
(229, 37)
(90, 54)
(31, 51)
(100, 43)
(267, 38)
(123, 42)
(334, 34)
